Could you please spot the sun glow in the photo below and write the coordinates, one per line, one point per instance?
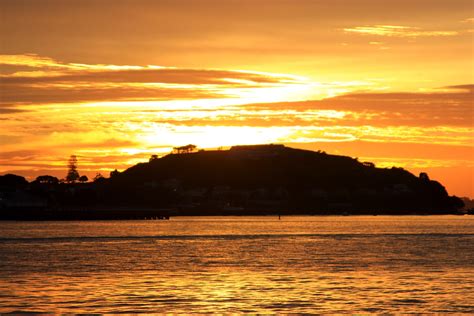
(215, 136)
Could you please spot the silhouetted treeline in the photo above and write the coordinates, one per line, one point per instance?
(260, 179)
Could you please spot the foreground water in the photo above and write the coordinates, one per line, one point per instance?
(240, 264)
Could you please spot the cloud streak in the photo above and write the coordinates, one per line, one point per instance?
(45, 80)
(448, 106)
(397, 31)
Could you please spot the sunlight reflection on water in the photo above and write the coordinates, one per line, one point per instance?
(240, 264)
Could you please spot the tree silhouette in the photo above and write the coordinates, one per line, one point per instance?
(46, 180)
(72, 174)
(98, 176)
(83, 179)
(12, 181)
(185, 149)
(424, 177)
(114, 173)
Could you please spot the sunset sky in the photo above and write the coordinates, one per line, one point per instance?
(115, 81)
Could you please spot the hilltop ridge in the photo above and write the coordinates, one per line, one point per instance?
(266, 177)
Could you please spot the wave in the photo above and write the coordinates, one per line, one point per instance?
(225, 237)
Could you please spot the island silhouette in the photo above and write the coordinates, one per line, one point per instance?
(244, 180)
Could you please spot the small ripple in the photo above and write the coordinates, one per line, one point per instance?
(173, 300)
(408, 301)
(372, 309)
(286, 305)
(23, 312)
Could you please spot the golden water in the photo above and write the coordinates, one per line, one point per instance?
(306, 264)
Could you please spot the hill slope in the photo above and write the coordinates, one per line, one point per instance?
(278, 178)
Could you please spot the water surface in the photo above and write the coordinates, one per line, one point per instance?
(240, 264)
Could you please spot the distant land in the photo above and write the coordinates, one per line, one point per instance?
(244, 180)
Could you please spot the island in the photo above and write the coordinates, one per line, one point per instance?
(269, 179)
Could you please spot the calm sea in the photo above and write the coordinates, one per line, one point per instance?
(373, 264)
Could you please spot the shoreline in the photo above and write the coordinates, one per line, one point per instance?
(165, 214)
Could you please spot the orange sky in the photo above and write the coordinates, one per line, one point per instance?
(116, 81)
